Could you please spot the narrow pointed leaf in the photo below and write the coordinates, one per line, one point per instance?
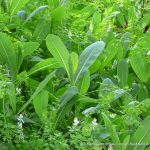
(40, 87)
(49, 63)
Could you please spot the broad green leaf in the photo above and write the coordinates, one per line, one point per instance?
(12, 96)
(41, 30)
(122, 72)
(40, 103)
(37, 10)
(58, 14)
(58, 50)
(84, 83)
(87, 58)
(29, 47)
(113, 132)
(66, 103)
(16, 5)
(49, 63)
(141, 137)
(40, 87)
(8, 53)
(138, 64)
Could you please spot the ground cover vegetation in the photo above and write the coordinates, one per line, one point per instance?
(74, 74)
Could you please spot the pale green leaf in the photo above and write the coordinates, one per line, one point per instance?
(87, 58)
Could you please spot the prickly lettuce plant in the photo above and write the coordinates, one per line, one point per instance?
(74, 73)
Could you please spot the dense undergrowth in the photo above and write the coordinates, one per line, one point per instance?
(74, 74)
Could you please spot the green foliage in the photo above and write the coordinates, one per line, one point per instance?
(8, 53)
(74, 74)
